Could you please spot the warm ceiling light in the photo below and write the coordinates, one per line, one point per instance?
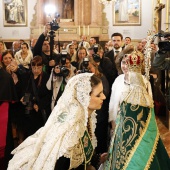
(50, 9)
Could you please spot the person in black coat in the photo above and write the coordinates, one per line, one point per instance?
(37, 98)
(117, 39)
(107, 67)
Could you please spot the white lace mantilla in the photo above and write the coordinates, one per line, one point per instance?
(62, 133)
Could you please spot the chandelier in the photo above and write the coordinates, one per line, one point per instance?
(106, 1)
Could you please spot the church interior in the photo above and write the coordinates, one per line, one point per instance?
(92, 18)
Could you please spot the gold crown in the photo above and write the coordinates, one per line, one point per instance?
(135, 61)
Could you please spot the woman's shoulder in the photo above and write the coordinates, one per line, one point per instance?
(18, 53)
(119, 78)
(118, 81)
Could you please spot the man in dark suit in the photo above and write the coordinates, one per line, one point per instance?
(117, 43)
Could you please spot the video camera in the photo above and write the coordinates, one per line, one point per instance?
(164, 45)
(54, 23)
(96, 57)
(85, 65)
(64, 71)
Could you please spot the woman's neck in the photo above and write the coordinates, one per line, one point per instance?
(90, 112)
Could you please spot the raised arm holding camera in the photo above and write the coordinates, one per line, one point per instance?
(42, 48)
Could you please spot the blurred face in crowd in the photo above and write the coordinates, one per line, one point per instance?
(127, 41)
(15, 45)
(72, 49)
(143, 42)
(117, 42)
(81, 54)
(124, 65)
(68, 63)
(75, 43)
(100, 53)
(6, 60)
(46, 47)
(153, 46)
(36, 70)
(92, 68)
(84, 38)
(96, 99)
(1, 46)
(140, 47)
(92, 41)
(24, 48)
(90, 52)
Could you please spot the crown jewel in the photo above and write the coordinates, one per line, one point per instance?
(135, 61)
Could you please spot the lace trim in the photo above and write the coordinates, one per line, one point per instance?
(139, 96)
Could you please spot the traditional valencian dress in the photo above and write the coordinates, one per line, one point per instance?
(136, 143)
(64, 135)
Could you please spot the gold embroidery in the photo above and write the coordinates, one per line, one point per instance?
(129, 125)
(137, 142)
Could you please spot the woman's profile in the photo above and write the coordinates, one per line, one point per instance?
(67, 141)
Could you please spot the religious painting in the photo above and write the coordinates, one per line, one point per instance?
(15, 13)
(66, 10)
(127, 12)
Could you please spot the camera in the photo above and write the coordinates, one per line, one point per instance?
(85, 65)
(54, 24)
(96, 57)
(28, 100)
(64, 71)
(164, 45)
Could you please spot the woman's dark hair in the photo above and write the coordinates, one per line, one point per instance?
(95, 81)
(4, 54)
(24, 43)
(37, 61)
(97, 71)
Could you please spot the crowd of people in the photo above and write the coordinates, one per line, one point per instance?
(78, 108)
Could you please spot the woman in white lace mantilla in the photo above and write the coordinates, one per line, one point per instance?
(67, 141)
(24, 56)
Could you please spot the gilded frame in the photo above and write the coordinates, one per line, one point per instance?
(130, 18)
(14, 13)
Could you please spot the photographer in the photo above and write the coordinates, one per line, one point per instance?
(105, 65)
(37, 98)
(60, 75)
(161, 60)
(42, 48)
(162, 57)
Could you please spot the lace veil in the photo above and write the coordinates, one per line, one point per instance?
(62, 133)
